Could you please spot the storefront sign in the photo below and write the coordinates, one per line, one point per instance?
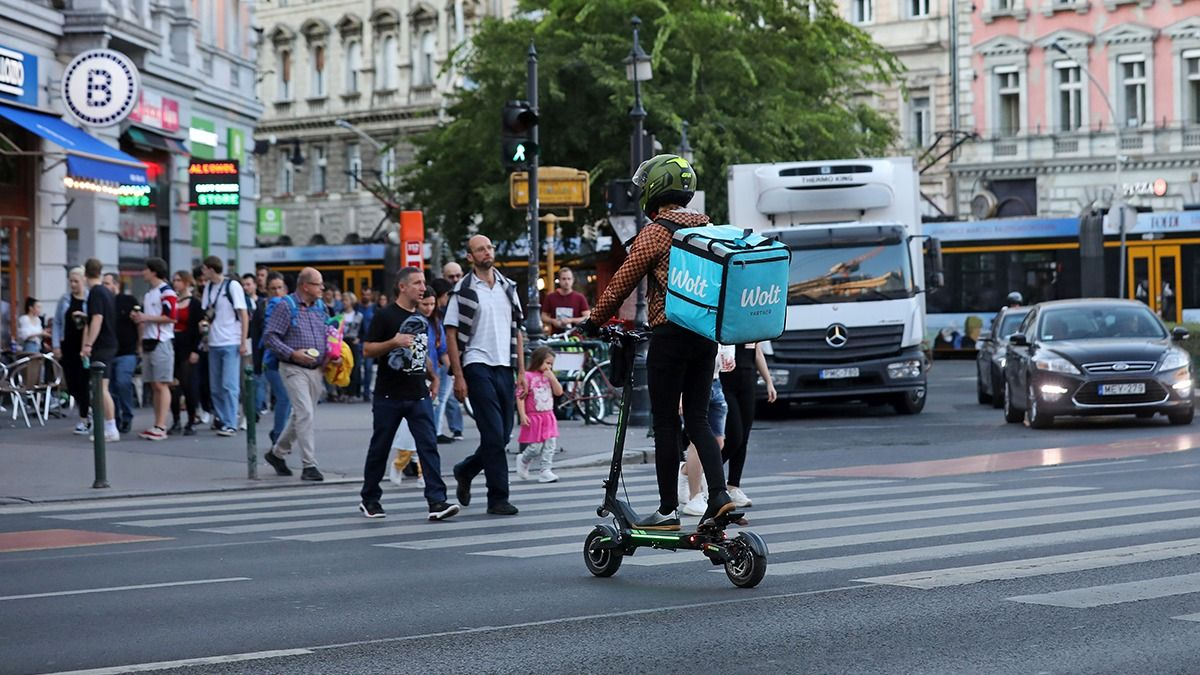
(156, 111)
(270, 221)
(100, 87)
(18, 76)
(203, 135)
(1156, 187)
(214, 185)
(235, 147)
(135, 196)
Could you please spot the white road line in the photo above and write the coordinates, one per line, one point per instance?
(1036, 567)
(113, 589)
(1085, 465)
(1115, 594)
(186, 663)
(123, 503)
(563, 517)
(901, 556)
(651, 557)
(1188, 617)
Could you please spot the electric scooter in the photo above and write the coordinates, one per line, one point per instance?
(744, 556)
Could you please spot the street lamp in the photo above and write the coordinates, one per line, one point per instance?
(1118, 200)
(637, 70)
(362, 134)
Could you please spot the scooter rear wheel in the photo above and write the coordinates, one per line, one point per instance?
(747, 568)
(602, 562)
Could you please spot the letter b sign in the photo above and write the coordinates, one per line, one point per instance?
(101, 87)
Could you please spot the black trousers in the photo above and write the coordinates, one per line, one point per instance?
(738, 386)
(680, 363)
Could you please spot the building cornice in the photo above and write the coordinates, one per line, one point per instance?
(362, 120)
(83, 23)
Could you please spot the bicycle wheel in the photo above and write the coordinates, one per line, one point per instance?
(601, 401)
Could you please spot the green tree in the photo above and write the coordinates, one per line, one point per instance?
(757, 81)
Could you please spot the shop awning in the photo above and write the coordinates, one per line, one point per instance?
(87, 157)
(155, 141)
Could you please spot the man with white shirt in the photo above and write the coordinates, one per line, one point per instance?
(157, 320)
(224, 304)
(483, 332)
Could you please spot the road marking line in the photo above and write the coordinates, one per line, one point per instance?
(1087, 465)
(185, 663)
(901, 556)
(123, 502)
(1115, 594)
(374, 532)
(1187, 617)
(113, 589)
(1035, 567)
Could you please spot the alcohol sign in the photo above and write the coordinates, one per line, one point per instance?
(558, 187)
(214, 185)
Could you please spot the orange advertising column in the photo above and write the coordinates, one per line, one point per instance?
(412, 239)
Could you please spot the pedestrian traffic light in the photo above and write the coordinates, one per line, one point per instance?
(517, 127)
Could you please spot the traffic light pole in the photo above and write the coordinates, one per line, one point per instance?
(533, 312)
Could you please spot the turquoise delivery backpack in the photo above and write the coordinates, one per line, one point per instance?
(728, 284)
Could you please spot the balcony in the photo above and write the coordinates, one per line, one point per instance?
(1171, 138)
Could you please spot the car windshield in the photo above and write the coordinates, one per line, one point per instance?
(1097, 321)
(849, 274)
(1010, 323)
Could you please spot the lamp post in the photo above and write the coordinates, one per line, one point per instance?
(637, 70)
(1118, 200)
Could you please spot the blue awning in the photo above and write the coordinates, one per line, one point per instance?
(87, 157)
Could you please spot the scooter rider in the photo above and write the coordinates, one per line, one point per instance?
(679, 362)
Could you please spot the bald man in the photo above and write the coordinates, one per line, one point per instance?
(296, 334)
(483, 332)
(452, 272)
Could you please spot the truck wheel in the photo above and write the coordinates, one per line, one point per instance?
(910, 402)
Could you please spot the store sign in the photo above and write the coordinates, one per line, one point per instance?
(235, 147)
(1156, 187)
(101, 87)
(135, 196)
(270, 221)
(18, 76)
(214, 185)
(156, 111)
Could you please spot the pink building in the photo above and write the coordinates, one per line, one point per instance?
(1048, 142)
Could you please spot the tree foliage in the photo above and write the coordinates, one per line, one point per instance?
(757, 81)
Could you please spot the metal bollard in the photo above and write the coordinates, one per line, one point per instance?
(248, 401)
(96, 369)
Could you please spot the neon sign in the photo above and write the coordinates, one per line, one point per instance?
(214, 185)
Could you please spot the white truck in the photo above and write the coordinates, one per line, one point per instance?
(856, 292)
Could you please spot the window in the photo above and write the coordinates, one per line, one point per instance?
(353, 167)
(233, 27)
(1005, 5)
(1070, 95)
(918, 8)
(285, 75)
(862, 11)
(353, 64)
(387, 79)
(287, 173)
(1008, 90)
(1191, 96)
(1133, 90)
(318, 181)
(425, 58)
(318, 71)
(920, 120)
(387, 168)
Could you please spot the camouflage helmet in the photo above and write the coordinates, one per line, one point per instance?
(665, 179)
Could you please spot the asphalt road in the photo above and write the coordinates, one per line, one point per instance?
(1080, 567)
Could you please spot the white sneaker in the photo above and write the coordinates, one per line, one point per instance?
(395, 475)
(205, 417)
(696, 505)
(681, 485)
(522, 467)
(83, 428)
(421, 482)
(112, 437)
(740, 500)
(547, 476)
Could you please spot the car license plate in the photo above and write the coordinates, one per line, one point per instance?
(1122, 389)
(838, 373)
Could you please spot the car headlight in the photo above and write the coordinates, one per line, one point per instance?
(1175, 359)
(1055, 364)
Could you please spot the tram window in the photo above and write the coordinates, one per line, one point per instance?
(1189, 281)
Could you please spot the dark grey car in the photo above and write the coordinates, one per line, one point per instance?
(991, 353)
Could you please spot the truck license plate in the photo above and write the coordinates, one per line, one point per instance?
(838, 373)
(1122, 389)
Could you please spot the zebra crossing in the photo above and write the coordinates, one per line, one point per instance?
(864, 527)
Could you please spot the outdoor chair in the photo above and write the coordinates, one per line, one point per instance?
(10, 388)
(43, 376)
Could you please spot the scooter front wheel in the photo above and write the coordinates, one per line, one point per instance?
(749, 563)
(602, 562)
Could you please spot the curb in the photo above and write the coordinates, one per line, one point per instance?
(631, 456)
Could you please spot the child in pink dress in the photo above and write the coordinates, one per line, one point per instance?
(539, 429)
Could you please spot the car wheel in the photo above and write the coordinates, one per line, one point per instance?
(1012, 414)
(1035, 417)
(980, 393)
(997, 392)
(1183, 417)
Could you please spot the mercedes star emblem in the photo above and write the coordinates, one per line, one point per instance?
(836, 335)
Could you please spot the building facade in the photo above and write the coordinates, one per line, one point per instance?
(345, 84)
(196, 64)
(1067, 94)
(920, 34)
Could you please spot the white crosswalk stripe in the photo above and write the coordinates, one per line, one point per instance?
(1113, 594)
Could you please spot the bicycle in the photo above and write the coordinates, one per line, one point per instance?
(586, 386)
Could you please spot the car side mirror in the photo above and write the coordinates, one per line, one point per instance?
(1179, 333)
(1018, 340)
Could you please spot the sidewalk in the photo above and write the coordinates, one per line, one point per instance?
(52, 464)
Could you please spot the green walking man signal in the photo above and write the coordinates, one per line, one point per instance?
(517, 124)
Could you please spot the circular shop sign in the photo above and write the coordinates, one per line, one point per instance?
(100, 87)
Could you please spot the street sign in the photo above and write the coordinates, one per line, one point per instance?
(558, 187)
(1120, 215)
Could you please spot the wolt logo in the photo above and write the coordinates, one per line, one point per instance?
(684, 280)
(99, 88)
(756, 297)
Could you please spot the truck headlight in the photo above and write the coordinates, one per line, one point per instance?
(1055, 364)
(904, 369)
(779, 378)
(1175, 359)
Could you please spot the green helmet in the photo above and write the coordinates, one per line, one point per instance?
(665, 179)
